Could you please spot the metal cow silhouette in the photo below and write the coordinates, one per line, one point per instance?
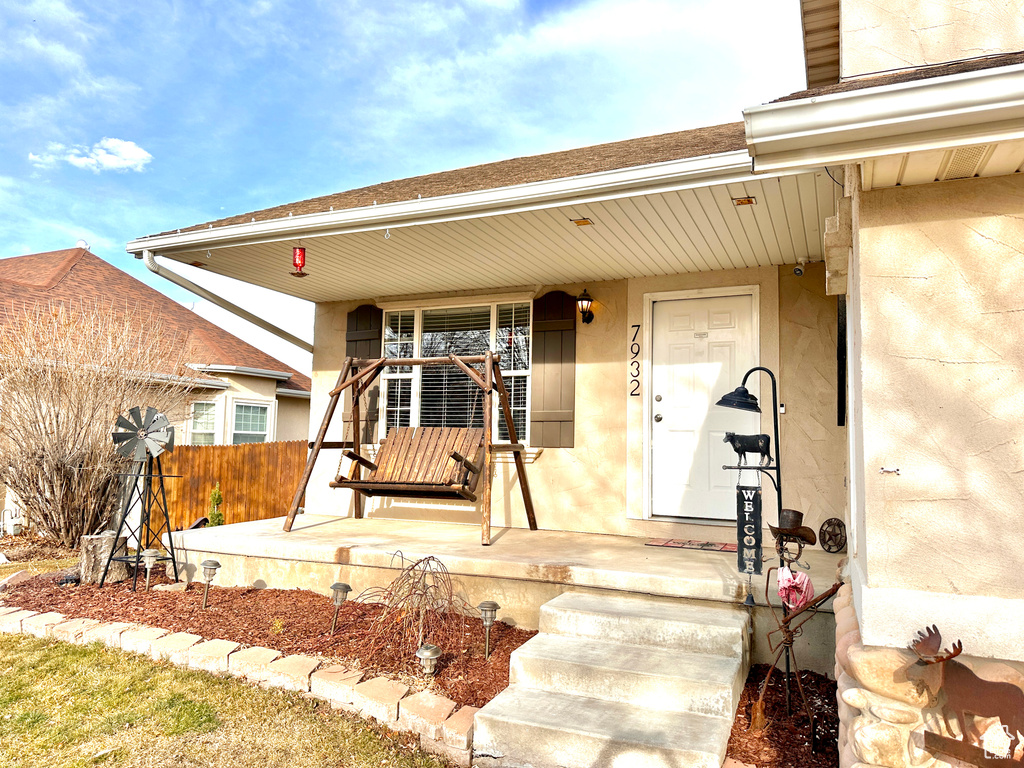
(964, 693)
(744, 444)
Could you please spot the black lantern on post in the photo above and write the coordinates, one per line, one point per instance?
(741, 399)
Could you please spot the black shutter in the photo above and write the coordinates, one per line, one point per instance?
(363, 339)
(553, 371)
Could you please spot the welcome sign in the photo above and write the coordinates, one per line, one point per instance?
(748, 529)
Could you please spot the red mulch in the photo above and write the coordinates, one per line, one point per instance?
(299, 621)
(290, 621)
(786, 741)
(19, 549)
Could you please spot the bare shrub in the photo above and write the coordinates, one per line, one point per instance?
(66, 372)
(419, 606)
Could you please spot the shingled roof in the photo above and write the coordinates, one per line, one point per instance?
(909, 75)
(631, 153)
(76, 275)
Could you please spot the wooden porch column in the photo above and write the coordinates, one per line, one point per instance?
(485, 501)
(357, 439)
(317, 444)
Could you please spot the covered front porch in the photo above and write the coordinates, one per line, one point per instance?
(521, 570)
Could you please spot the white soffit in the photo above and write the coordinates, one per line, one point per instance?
(693, 229)
(820, 19)
(908, 168)
(939, 113)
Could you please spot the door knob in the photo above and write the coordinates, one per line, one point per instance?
(657, 417)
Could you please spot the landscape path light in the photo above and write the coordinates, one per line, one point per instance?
(149, 558)
(209, 570)
(488, 612)
(339, 591)
(428, 655)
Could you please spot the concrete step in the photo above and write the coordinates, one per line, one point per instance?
(644, 676)
(544, 729)
(711, 628)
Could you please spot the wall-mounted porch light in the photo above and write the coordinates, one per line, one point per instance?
(298, 261)
(584, 302)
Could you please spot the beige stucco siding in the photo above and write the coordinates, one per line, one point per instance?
(942, 377)
(877, 37)
(598, 485)
(292, 418)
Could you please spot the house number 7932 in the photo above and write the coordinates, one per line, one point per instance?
(634, 363)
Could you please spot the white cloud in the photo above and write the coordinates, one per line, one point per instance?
(105, 155)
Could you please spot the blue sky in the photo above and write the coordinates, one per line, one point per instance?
(123, 119)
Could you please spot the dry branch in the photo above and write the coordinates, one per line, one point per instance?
(66, 372)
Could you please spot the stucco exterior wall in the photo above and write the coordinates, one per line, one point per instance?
(941, 330)
(814, 447)
(292, 418)
(598, 485)
(877, 37)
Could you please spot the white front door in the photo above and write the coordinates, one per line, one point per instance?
(700, 350)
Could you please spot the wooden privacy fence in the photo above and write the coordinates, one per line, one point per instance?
(257, 480)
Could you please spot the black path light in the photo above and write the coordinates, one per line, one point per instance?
(488, 612)
(209, 570)
(339, 591)
(428, 655)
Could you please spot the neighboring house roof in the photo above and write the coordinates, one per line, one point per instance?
(631, 153)
(75, 275)
(909, 75)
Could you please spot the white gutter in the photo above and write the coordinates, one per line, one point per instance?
(576, 190)
(150, 260)
(239, 369)
(300, 393)
(978, 107)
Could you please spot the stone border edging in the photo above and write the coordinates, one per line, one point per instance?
(442, 729)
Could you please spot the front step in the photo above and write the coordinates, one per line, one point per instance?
(645, 676)
(526, 727)
(712, 628)
(619, 681)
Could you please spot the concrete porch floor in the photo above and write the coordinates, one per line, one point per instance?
(521, 569)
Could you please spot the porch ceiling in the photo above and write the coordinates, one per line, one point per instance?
(692, 229)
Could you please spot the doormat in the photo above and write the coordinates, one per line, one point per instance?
(710, 546)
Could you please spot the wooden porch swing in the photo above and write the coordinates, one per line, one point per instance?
(424, 462)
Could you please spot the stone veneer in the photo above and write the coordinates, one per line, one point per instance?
(880, 709)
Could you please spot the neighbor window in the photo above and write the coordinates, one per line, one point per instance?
(442, 395)
(250, 424)
(203, 424)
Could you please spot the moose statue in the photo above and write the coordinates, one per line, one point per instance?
(960, 692)
(744, 444)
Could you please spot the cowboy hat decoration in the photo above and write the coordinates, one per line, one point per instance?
(791, 523)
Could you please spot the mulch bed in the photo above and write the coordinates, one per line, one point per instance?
(20, 549)
(290, 621)
(299, 621)
(786, 741)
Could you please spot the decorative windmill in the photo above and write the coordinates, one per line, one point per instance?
(143, 439)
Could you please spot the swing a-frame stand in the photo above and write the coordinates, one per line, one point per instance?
(424, 462)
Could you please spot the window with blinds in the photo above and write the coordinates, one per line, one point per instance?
(442, 395)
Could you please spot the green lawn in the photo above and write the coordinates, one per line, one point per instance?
(66, 705)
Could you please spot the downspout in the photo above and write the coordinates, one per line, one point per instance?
(188, 285)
